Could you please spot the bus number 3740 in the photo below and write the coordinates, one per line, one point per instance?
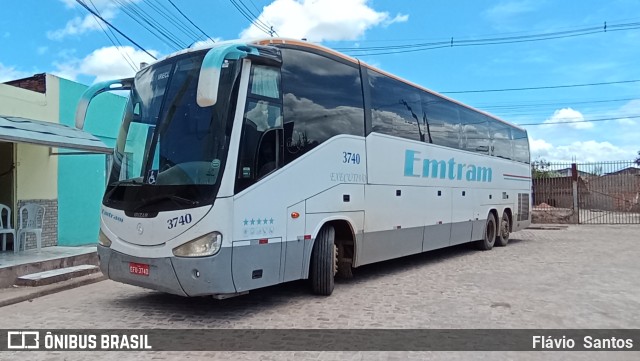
(353, 158)
(175, 221)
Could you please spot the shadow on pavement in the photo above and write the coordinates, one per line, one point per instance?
(274, 296)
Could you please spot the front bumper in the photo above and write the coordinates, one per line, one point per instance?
(174, 275)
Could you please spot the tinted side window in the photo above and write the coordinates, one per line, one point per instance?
(442, 119)
(322, 98)
(501, 139)
(396, 108)
(260, 151)
(475, 131)
(520, 145)
(265, 81)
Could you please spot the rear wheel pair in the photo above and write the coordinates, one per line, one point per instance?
(495, 234)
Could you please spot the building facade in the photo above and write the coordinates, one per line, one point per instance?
(44, 160)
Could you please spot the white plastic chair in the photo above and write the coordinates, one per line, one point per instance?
(31, 221)
(5, 226)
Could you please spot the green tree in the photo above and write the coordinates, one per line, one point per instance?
(540, 169)
(638, 159)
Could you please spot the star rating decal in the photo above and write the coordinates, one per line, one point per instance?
(258, 221)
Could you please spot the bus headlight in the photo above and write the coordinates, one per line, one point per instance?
(103, 239)
(206, 245)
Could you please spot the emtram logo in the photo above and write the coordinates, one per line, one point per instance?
(23, 340)
(414, 166)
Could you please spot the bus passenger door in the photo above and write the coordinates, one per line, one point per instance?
(293, 247)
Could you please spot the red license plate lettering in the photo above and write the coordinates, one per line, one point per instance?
(139, 268)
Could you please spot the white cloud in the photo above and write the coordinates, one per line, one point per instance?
(11, 73)
(206, 43)
(320, 20)
(593, 151)
(81, 24)
(104, 63)
(582, 151)
(572, 118)
(399, 18)
(540, 147)
(630, 109)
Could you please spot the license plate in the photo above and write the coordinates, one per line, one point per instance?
(139, 268)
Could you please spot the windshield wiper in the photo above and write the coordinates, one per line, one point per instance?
(127, 182)
(172, 197)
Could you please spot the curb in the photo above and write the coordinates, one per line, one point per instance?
(9, 275)
(35, 292)
(548, 227)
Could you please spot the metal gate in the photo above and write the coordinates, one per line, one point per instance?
(609, 193)
(587, 193)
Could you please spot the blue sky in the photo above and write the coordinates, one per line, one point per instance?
(60, 37)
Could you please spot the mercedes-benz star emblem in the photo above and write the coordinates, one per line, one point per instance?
(140, 229)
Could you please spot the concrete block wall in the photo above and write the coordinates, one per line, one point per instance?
(50, 226)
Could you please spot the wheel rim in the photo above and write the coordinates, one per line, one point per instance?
(505, 229)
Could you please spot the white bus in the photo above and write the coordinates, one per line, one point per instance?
(244, 165)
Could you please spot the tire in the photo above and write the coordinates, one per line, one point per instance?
(502, 235)
(490, 231)
(323, 262)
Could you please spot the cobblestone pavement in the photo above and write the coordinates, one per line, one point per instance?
(575, 277)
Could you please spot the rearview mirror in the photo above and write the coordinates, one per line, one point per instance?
(209, 78)
(93, 91)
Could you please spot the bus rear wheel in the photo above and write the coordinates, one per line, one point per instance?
(489, 238)
(324, 262)
(502, 238)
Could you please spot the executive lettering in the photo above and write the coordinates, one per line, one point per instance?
(348, 177)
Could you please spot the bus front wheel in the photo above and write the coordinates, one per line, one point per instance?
(324, 262)
(490, 230)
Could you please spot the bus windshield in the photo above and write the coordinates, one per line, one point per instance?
(171, 152)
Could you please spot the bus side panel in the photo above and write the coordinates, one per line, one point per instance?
(256, 263)
(483, 205)
(462, 201)
(294, 245)
(522, 210)
(394, 222)
(341, 198)
(478, 224)
(263, 210)
(437, 215)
